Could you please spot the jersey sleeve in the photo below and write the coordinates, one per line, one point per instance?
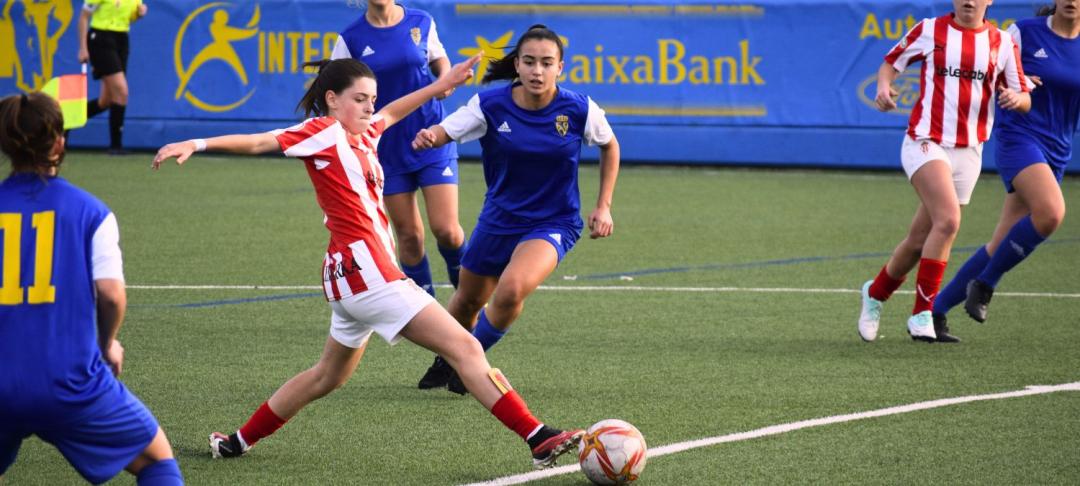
(1009, 60)
(912, 48)
(306, 138)
(467, 123)
(105, 257)
(341, 49)
(597, 129)
(435, 49)
(375, 129)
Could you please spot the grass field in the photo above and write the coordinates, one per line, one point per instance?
(659, 325)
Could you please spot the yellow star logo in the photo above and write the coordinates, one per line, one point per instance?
(490, 50)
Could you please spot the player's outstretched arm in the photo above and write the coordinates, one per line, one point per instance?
(1014, 100)
(430, 137)
(601, 224)
(401, 107)
(256, 143)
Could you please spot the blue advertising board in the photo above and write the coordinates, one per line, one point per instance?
(778, 82)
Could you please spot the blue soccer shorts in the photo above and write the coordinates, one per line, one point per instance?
(488, 254)
(1017, 152)
(441, 172)
(98, 446)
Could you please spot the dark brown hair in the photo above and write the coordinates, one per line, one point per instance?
(504, 68)
(30, 124)
(1045, 10)
(333, 76)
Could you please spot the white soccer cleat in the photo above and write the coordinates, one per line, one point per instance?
(870, 317)
(921, 327)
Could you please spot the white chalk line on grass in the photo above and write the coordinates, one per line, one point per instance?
(609, 288)
(784, 428)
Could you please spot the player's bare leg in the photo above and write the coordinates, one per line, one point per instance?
(155, 464)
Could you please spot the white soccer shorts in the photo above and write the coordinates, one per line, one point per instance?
(384, 310)
(966, 162)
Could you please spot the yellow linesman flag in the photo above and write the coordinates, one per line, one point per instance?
(70, 91)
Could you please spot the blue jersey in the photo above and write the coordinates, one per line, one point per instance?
(400, 56)
(50, 364)
(531, 161)
(1055, 106)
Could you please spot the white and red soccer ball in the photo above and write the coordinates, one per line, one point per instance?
(612, 452)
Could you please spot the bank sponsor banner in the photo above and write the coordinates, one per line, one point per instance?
(778, 64)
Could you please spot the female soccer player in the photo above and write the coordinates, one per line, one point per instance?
(966, 58)
(1032, 152)
(401, 45)
(531, 132)
(103, 40)
(62, 301)
(366, 290)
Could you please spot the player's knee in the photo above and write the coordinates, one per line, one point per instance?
(1047, 221)
(165, 472)
(448, 235)
(328, 380)
(410, 244)
(948, 224)
(511, 294)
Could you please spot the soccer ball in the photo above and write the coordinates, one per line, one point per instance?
(612, 452)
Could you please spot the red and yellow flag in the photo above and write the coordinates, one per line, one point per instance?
(70, 91)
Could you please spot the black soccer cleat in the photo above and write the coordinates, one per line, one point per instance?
(978, 299)
(455, 385)
(553, 444)
(941, 328)
(437, 375)
(225, 446)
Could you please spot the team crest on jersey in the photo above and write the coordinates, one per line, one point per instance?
(373, 179)
(925, 148)
(562, 124)
(415, 34)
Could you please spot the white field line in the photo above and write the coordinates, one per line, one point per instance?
(784, 428)
(609, 288)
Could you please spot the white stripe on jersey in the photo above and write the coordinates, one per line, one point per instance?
(314, 144)
(373, 277)
(342, 285)
(328, 264)
(354, 170)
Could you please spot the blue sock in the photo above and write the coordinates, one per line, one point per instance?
(1017, 245)
(956, 291)
(162, 473)
(453, 262)
(487, 334)
(421, 274)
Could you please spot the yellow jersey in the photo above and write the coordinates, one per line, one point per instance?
(112, 15)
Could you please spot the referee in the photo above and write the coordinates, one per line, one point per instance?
(103, 40)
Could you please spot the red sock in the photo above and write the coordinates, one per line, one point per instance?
(884, 285)
(927, 284)
(261, 424)
(514, 414)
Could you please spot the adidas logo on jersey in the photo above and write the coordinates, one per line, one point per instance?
(1041, 53)
(504, 128)
(557, 237)
(447, 172)
(367, 51)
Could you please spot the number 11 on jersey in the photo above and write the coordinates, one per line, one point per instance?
(42, 291)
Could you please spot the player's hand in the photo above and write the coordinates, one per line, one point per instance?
(886, 98)
(424, 140)
(140, 12)
(444, 94)
(600, 223)
(1008, 99)
(461, 72)
(1037, 81)
(114, 356)
(180, 150)
(84, 55)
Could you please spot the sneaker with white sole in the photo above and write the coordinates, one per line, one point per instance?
(921, 327)
(870, 317)
(226, 446)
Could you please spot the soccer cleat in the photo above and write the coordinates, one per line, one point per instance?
(870, 317)
(941, 329)
(545, 454)
(225, 446)
(437, 375)
(978, 299)
(921, 327)
(455, 385)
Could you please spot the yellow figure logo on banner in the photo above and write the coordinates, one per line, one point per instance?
(220, 49)
(39, 15)
(491, 50)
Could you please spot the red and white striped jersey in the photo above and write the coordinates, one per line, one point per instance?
(348, 184)
(960, 72)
